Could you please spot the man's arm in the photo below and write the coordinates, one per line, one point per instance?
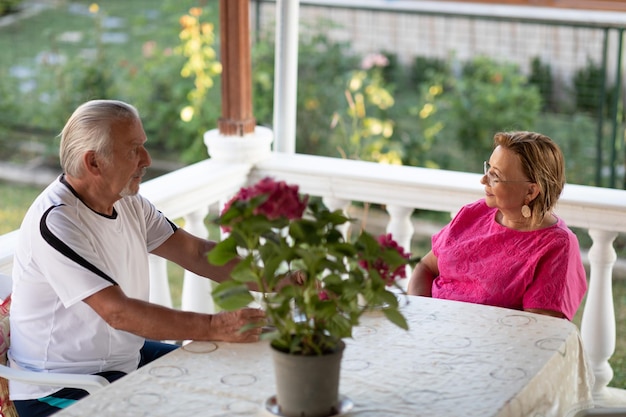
(190, 252)
(156, 322)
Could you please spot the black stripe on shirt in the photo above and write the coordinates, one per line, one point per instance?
(59, 245)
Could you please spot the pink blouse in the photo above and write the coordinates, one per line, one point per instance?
(483, 262)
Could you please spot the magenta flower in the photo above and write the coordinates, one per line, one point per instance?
(283, 200)
(382, 267)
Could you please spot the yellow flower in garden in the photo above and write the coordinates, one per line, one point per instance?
(387, 128)
(186, 114)
(195, 11)
(187, 21)
(435, 90)
(356, 82)
(389, 158)
(427, 110)
(207, 29)
(216, 67)
(374, 126)
(311, 104)
(360, 105)
(94, 8)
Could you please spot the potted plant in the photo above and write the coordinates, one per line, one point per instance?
(276, 231)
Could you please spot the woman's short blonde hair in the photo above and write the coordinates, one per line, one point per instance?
(88, 129)
(542, 162)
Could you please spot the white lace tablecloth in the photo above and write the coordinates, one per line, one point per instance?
(457, 359)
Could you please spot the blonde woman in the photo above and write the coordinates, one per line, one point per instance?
(509, 249)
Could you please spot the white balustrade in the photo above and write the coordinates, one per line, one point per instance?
(196, 295)
(339, 204)
(400, 225)
(159, 283)
(598, 321)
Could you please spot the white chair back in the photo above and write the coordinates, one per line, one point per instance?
(6, 286)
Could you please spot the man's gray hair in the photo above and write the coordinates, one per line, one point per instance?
(88, 129)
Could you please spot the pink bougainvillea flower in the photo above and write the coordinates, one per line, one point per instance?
(386, 242)
(283, 200)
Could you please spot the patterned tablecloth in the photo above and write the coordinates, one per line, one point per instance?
(457, 359)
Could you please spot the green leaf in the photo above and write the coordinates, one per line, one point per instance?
(223, 252)
(388, 298)
(231, 295)
(394, 316)
(243, 271)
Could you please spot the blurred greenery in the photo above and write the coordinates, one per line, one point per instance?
(15, 201)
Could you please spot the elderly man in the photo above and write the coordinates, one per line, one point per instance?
(80, 295)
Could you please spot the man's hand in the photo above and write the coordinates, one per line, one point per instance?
(226, 326)
(297, 277)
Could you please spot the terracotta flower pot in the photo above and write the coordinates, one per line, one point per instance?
(308, 386)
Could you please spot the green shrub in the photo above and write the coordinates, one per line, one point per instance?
(589, 90)
(9, 6)
(541, 77)
(425, 69)
(491, 97)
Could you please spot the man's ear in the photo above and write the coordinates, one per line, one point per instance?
(91, 162)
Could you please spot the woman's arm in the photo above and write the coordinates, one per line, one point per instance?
(424, 274)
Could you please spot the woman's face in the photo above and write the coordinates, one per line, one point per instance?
(506, 186)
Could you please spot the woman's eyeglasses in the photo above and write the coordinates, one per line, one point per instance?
(492, 180)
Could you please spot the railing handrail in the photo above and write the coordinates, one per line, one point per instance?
(429, 189)
(198, 185)
(208, 182)
(503, 12)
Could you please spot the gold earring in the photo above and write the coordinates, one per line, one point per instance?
(526, 211)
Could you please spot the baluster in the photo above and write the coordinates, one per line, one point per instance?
(598, 320)
(339, 204)
(196, 289)
(400, 225)
(159, 283)
(401, 229)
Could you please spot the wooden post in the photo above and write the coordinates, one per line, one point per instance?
(237, 115)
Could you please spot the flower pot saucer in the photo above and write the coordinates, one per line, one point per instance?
(345, 405)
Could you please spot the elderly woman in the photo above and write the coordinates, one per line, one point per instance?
(509, 249)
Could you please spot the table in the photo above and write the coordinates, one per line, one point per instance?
(457, 359)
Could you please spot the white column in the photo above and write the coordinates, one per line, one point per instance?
(598, 321)
(401, 229)
(196, 289)
(400, 225)
(248, 148)
(159, 283)
(339, 204)
(286, 74)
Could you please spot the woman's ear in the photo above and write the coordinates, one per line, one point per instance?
(532, 192)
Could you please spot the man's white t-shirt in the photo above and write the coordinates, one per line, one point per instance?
(65, 253)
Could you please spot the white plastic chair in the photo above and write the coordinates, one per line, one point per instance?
(90, 383)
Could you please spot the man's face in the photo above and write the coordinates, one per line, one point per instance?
(129, 158)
